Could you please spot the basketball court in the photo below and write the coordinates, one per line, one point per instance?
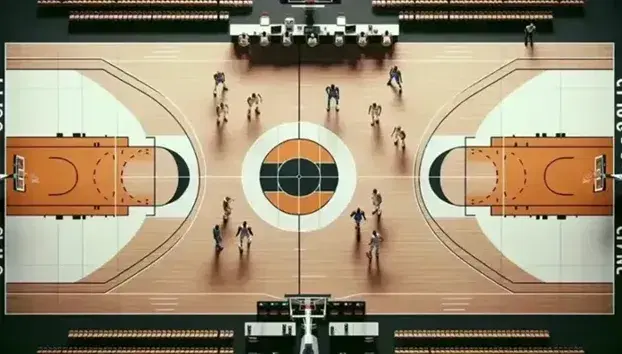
(496, 205)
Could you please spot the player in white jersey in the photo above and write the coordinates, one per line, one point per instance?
(374, 111)
(617, 177)
(376, 200)
(400, 136)
(374, 245)
(226, 208)
(222, 111)
(253, 103)
(244, 233)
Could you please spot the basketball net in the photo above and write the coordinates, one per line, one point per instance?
(589, 177)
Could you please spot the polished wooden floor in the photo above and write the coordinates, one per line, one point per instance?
(419, 270)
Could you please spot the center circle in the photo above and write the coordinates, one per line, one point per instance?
(298, 140)
(299, 177)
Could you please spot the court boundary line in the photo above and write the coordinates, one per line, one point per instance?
(192, 221)
(335, 298)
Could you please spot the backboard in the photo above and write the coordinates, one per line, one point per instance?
(298, 305)
(19, 171)
(600, 169)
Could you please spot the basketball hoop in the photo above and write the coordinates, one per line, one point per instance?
(310, 2)
(589, 177)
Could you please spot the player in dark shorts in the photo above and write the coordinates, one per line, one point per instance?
(332, 92)
(358, 215)
(395, 75)
(217, 238)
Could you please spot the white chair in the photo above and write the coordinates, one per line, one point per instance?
(264, 20)
(341, 20)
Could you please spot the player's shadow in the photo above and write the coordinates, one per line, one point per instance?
(397, 95)
(380, 226)
(243, 265)
(378, 137)
(530, 51)
(374, 273)
(403, 163)
(220, 141)
(253, 128)
(215, 275)
(331, 122)
(356, 250)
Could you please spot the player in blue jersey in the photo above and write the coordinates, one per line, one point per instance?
(359, 216)
(395, 75)
(332, 92)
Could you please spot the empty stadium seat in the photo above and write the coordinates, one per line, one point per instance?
(481, 16)
(471, 338)
(149, 333)
(496, 350)
(129, 3)
(475, 4)
(143, 16)
(471, 334)
(128, 350)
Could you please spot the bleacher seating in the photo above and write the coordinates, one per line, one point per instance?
(471, 338)
(149, 334)
(152, 4)
(85, 14)
(145, 16)
(137, 350)
(476, 4)
(472, 334)
(126, 340)
(481, 16)
(488, 351)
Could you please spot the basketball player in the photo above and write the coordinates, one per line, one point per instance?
(530, 29)
(332, 92)
(395, 75)
(617, 177)
(374, 245)
(222, 110)
(219, 79)
(253, 103)
(376, 200)
(358, 215)
(226, 208)
(400, 136)
(244, 233)
(217, 238)
(374, 111)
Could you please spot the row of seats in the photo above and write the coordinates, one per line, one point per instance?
(115, 350)
(489, 350)
(150, 333)
(143, 16)
(479, 3)
(146, 3)
(497, 16)
(471, 334)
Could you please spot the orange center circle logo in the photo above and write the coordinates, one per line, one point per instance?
(299, 176)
